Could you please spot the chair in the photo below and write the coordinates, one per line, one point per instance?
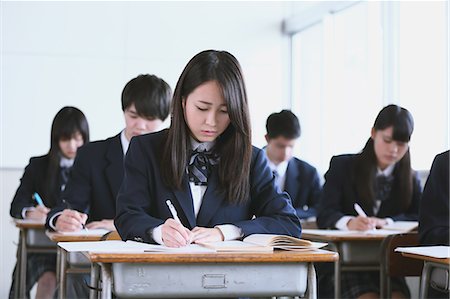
(393, 264)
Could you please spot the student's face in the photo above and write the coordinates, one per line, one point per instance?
(137, 125)
(70, 146)
(205, 112)
(387, 150)
(279, 149)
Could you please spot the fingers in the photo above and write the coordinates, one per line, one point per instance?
(361, 223)
(206, 235)
(70, 220)
(174, 234)
(35, 214)
(105, 224)
(42, 209)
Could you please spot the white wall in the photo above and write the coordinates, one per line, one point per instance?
(82, 54)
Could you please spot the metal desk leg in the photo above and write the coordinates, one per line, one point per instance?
(93, 293)
(425, 280)
(337, 269)
(106, 281)
(21, 284)
(62, 258)
(312, 282)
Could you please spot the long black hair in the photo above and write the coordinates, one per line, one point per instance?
(403, 125)
(234, 166)
(67, 122)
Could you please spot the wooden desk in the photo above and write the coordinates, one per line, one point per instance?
(31, 240)
(357, 252)
(63, 263)
(430, 263)
(207, 274)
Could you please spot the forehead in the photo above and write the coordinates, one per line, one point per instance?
(282, 141)
(209, 93)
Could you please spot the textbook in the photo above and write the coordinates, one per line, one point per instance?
(264, 243)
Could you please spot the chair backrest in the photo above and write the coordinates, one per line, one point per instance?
(396, 264)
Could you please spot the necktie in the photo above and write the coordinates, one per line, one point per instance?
(277, 179)
(383, 187)
(65, 172)
(200, 166)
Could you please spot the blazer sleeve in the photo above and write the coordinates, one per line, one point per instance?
(331, 202)
(28, 185)
(273, 210)
(434, 210)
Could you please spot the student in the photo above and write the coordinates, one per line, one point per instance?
(434, 209)
(47, 176)
(204, 164)
(381, 181)
(298, 178)
(98, 170)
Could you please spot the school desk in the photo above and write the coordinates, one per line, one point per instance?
(32, 239)
(73, 262)
(358, 251)
(153, 275)
(433, 269)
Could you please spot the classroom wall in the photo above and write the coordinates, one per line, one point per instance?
(82, 54)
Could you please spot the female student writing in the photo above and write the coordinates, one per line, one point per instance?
(381, 181)
(204, 164)
(45, 177)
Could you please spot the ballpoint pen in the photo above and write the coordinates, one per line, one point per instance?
(38, 199)
(361, 212)
(173, 211)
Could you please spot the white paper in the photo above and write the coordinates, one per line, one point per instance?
(404, 226)
(439, 252)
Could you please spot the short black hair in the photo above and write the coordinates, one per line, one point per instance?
(150, 95)
(283, 123)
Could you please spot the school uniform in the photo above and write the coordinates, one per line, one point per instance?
(34, 180)
(434, 207)
(95, 180)
(301, 181)
(338, 197)
(141, 202)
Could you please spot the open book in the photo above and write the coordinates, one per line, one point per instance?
(264, 243)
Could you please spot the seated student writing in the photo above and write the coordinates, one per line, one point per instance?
(204, 164)
(46, 177)
(298, 178)
(98, 169)
(381, 181)
(434, 209)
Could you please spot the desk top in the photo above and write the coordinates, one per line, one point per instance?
(278, 256)
(59, 237)
(343, 237)
(427, 258)
(29, 224)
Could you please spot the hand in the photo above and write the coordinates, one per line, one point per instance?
(37, 213)
(206, 235)
(379, 223)
(174, 234)
(70, 220)
(105, 224)
(361, 223)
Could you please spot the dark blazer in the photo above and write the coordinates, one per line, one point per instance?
(339, 195)
(141, 203)
(95, 180)
(303, 185)
(34, 180)
(434, 206)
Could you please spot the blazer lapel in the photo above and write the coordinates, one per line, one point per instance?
(114, 169)
(184, 198)
(212, 200)
(291, 184)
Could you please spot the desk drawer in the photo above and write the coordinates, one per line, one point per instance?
(208, 280)
(38, 238)
(360, 252)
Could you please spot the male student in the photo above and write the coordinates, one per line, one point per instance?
(90, 196)
(298, 178)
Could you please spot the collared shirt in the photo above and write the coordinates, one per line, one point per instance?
(280, 169)
(125, 142)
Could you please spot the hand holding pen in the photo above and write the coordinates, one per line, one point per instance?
(361, 222)
(173, 233)
(70, 220)
(40, 211)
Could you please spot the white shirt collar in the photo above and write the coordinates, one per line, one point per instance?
(125, 142)
(201, 146)
(387, 171)
(280, 168)
(64, 162)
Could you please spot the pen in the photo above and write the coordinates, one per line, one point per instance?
(38, 199)
(173, 211)
(70, 207)
(359, 210)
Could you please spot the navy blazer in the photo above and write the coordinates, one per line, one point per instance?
(141, 203)
(434, 206)
(303, 185)
(34, 180)
(95, 180)
(339, 195)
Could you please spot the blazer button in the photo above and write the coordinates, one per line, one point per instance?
(138, 239)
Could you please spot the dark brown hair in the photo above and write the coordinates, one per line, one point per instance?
(233, 146)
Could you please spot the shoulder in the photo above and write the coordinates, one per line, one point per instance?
(154, 140)
(39, 162)
(442, 158)
(98, 146)
(302, 165)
